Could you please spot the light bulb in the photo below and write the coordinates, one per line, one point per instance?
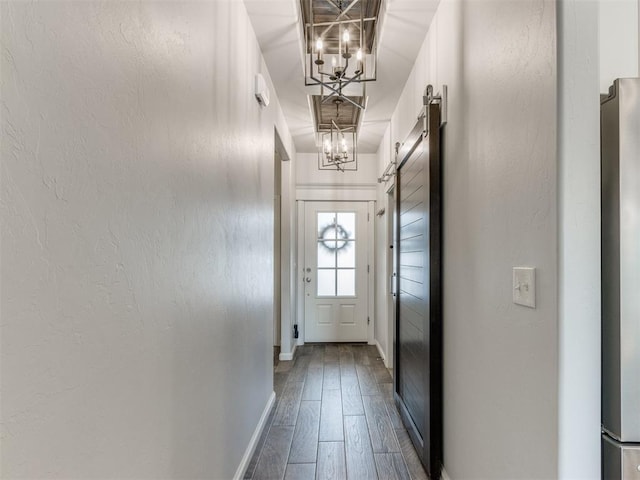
(359, 54)
(319, 44)
(345, 36)
(344, 145)
(333, 61)
(327, 146)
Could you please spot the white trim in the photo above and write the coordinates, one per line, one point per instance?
(253, 443)
(336, 186)
(389, 281)
(299, 290)
(371, 261)
(287, 357)
(381, 352)
(444, 475)
(363, 193)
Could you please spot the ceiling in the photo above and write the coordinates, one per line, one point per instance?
(404, 26)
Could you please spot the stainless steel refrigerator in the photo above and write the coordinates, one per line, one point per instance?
(620, 164)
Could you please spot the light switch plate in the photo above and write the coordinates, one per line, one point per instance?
(524, 286)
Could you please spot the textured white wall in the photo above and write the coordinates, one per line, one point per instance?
(498, 59)
(619, 40)
(137, 226)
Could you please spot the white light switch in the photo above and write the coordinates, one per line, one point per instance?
(524, 286)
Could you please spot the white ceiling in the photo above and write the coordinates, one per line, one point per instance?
(277, 26)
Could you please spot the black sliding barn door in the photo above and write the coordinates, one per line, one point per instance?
(418, 360)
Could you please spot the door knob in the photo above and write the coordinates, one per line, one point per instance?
(308, 279)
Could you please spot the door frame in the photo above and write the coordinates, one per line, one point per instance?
(330, 195)
(357, 329)
(390, 284)
(283, 325)
(277, 245)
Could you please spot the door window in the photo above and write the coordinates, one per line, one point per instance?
(336, 260)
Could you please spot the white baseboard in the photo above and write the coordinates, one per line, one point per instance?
(444, 475)
(253, 443)
(381, 352)
(288, 356)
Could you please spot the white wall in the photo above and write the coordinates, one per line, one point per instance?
(618, 41)
(137, 226)
(308, 174)
(498, 59)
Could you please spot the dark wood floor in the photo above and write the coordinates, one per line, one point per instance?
(334, 418)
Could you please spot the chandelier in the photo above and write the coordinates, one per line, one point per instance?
(340, 46)
(338, 149)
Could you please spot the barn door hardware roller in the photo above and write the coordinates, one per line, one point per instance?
(390, 171)
(429, 98)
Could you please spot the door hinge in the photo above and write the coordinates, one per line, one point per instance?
(368, 320)
(367, 268)
(368, 215)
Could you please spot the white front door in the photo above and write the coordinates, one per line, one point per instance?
(335, 272)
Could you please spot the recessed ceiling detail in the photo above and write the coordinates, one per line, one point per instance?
(327, 110)
(320, 17)
(340, 45)
(340, 57)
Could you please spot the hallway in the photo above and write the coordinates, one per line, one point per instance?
(151, 154)
(334, 418)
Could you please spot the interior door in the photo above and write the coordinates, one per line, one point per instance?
(335, 272)
(418, 360)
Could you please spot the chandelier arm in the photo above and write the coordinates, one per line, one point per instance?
(327, 97)
(340, 87)
(355, 104)
(329, 85)
(350, 80)
(346, 10)
(337, 83)
(340, 11)
(333, 82)
(333, 23)
(337, 92)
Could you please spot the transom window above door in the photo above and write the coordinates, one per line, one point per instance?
(336, 261)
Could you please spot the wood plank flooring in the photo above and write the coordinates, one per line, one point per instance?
(334, 419)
